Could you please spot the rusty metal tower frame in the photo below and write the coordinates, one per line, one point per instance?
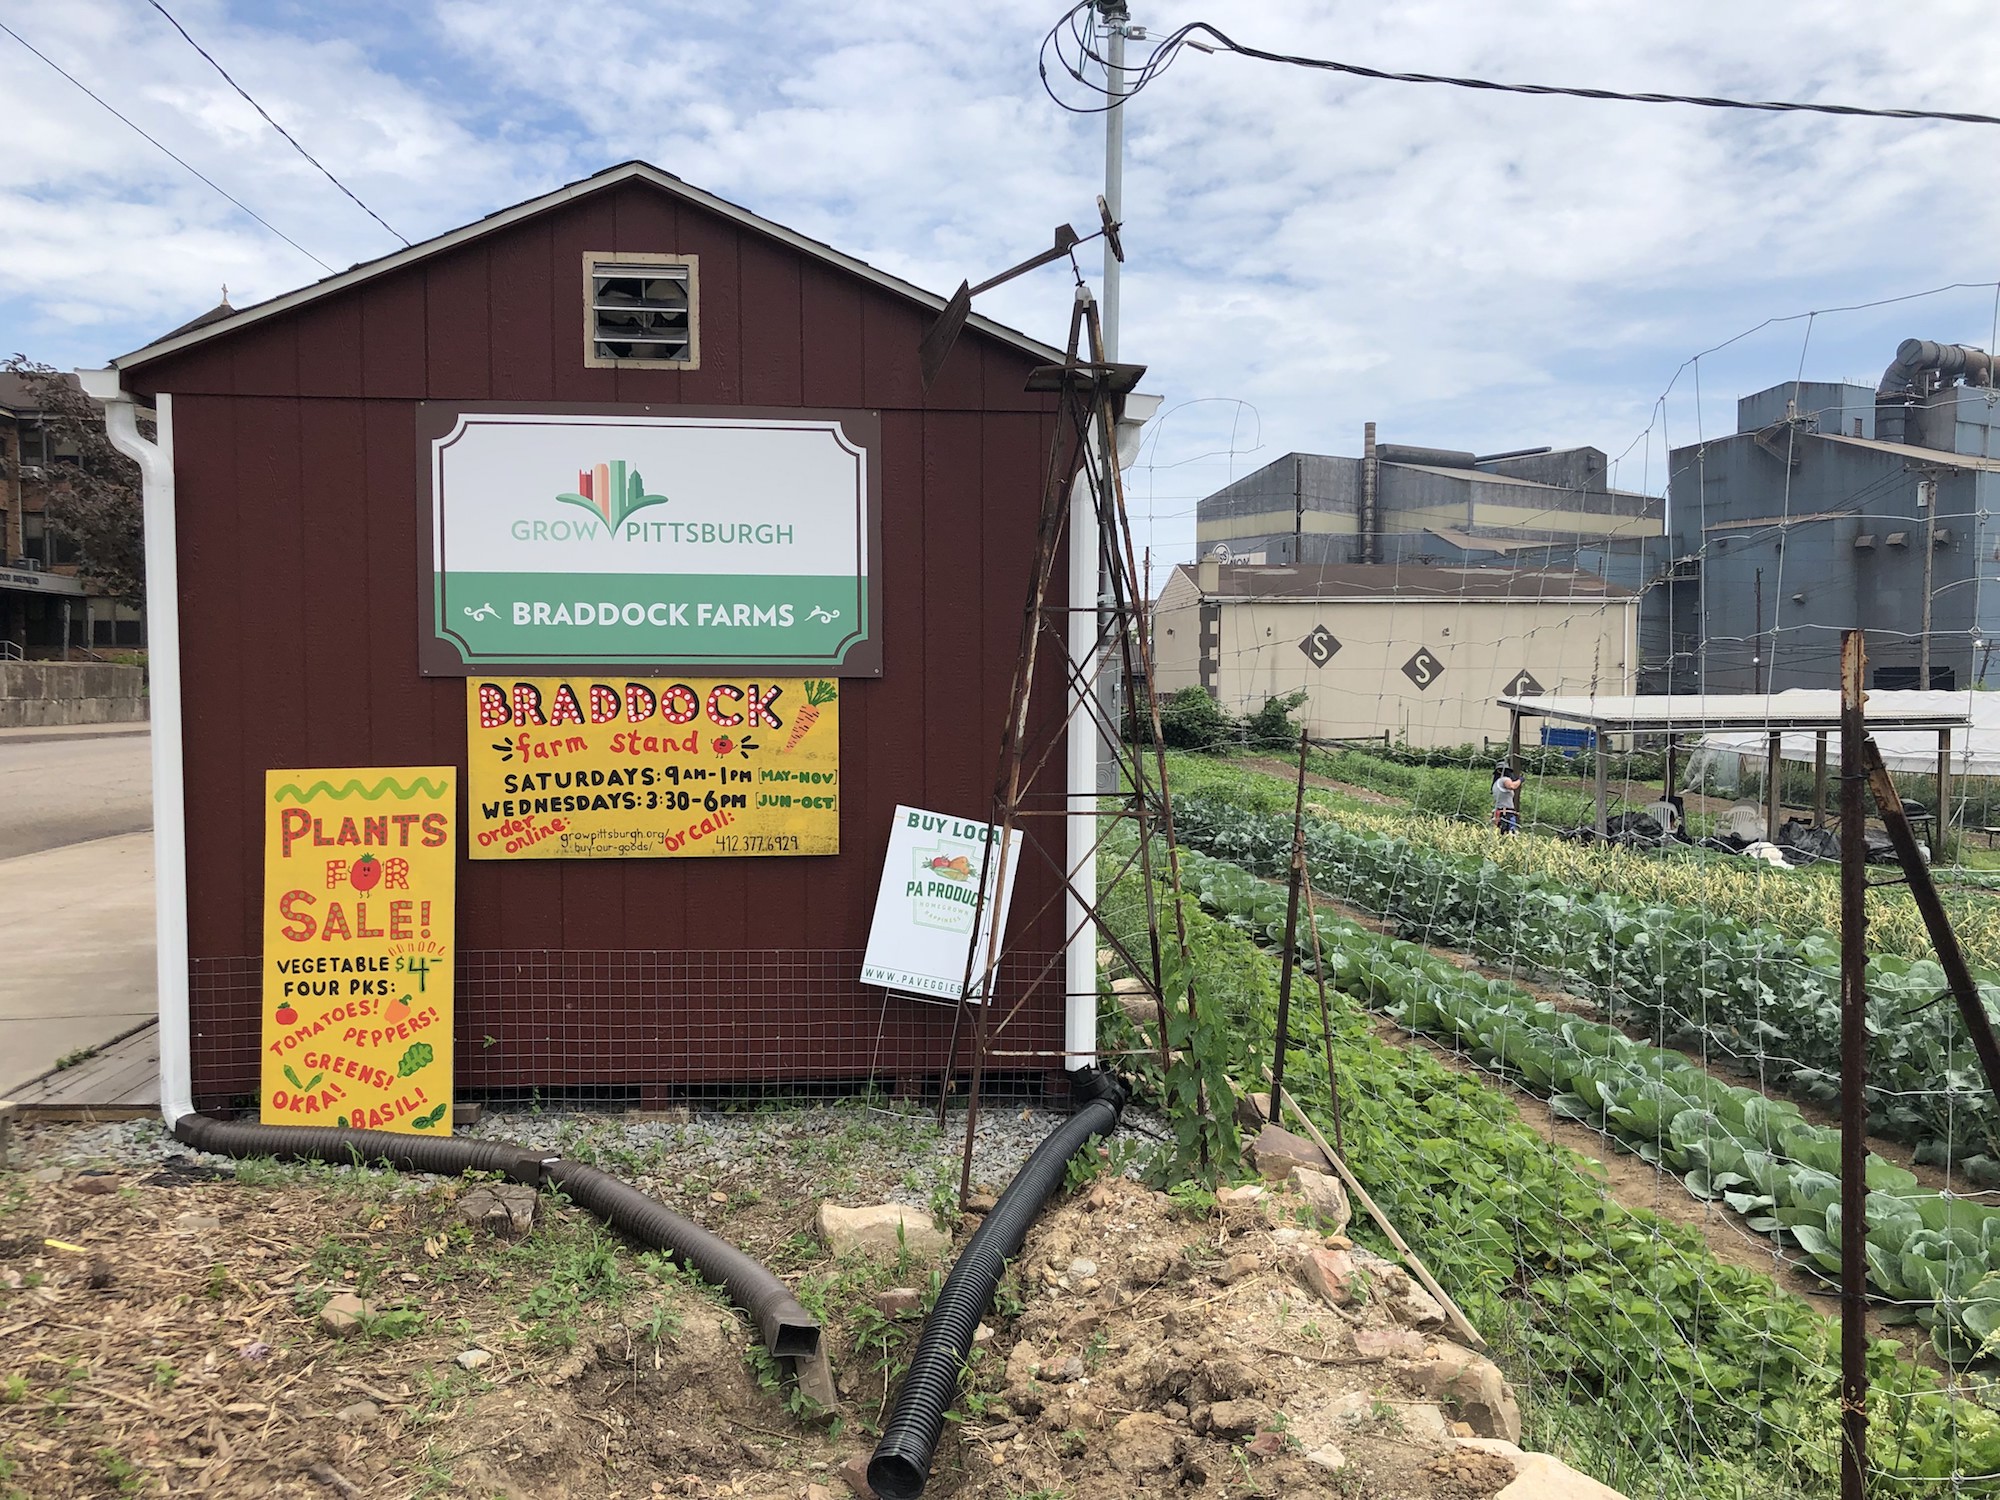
(1083, 453)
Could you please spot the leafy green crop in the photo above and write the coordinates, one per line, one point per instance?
(1746, 994)
(1757, 1155)
(419, 1056)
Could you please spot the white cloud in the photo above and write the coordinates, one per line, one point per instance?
(1468, 269)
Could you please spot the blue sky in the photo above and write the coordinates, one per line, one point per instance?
(1306, 252)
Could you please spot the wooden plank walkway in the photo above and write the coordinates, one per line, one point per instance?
(121, 1082)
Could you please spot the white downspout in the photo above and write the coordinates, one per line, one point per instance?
(1084, 737)
(163, 628)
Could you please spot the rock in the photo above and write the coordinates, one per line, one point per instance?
(900, 1302)
(1541, 1477)
(880, 1231)
(1243, 1263)
(194, 1223)
(1472, 1385)
(981, 1336)
(506, 1208)
(48, 1174)
(1142, 1443)
(1081, 1268)
(1265, 1445)
(815, 1492)
(1235, 1419)
(1389, 1343)
(1070, 1369)
(814, 1375)
(1227, 1379)
(1425, 1422)
(343, 1314)
(1330, 1273)
(1135, 997)
(1099, 1196)
(1355, 1409)
(1326, 1456)
(95, 1183)
(1413, 1305)
(1023, 1364)
(1277, 1153)
(473, 1359)
(1239, 1197)
(855, 1472)
(1325, 1196)
(360, 1412)
(980, 1203)
(1252, 1111)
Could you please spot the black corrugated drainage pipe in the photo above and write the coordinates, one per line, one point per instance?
(786, 1327)
(901, 1466)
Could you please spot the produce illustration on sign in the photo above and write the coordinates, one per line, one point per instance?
(930, 890)
(731, 542)
(359, 877)
(582, 768)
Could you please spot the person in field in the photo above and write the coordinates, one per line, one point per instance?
(1506, 798)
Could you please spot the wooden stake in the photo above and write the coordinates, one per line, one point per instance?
(1853, 1074)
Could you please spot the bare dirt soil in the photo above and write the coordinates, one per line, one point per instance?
(161, 1333)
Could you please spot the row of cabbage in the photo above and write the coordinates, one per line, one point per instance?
(1738, 993)
(1934, 1257)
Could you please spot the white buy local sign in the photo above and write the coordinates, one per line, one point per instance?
(931, 878)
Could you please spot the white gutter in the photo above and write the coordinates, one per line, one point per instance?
(1084, 737)
(170, 930)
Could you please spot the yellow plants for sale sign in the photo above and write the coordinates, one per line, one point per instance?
(360, 868)
(571, 768)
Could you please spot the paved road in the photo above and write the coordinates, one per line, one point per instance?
(55, 792)
(76, 898)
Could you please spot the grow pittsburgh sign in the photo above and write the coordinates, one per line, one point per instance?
(589, 768)
(651, 539)
(359, 870)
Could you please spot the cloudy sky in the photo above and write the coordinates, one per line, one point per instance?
(1307, 251)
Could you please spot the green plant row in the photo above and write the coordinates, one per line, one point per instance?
(1645, 1360)
(1936, 1257)
(1692, 979)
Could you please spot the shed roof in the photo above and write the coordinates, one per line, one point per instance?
(1795, 708)
(1913, 453)
(217, 322)
(1976, 752)
(1276, 583)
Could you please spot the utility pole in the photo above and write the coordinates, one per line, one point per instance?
(1116, 17)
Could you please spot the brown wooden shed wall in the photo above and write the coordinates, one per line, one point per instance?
(299, 506)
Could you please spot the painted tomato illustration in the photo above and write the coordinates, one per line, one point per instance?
(724, 745)
(366, 874)
(285, 1015)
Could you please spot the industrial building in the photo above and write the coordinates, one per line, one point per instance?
(1834, 506)
(1418, 653)
(1535, 508)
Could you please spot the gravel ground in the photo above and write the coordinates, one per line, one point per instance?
(900, 1154)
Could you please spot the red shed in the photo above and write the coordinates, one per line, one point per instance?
(291, 524)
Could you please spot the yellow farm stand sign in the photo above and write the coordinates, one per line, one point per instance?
(360, 869)
(575, 768)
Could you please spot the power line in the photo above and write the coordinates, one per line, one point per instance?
(178, 160)
(274, 124)
(1171, 44)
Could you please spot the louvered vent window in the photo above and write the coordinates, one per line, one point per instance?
(641, 310)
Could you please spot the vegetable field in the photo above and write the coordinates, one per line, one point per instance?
(1645, 1360)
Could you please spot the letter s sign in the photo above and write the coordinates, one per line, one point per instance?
(1423, 669)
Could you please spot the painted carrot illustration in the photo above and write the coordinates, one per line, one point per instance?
(816, 694)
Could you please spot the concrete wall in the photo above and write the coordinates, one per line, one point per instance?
(1480, 645)
(35, 694)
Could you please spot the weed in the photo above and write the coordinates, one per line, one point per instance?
(1191, 1200)
(14, 1391)
(398, 1323)
(120, 1470)
(71, 1059)
(164, 1374)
